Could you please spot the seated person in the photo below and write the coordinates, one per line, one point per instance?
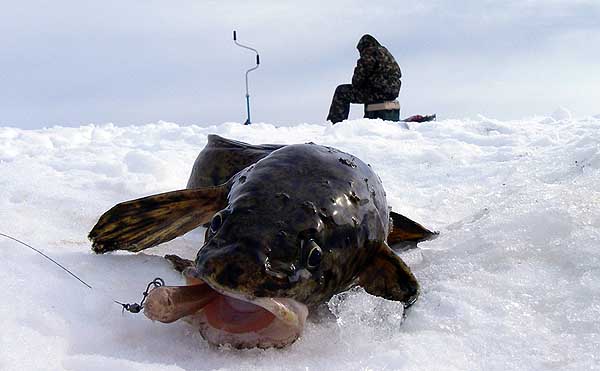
(376, 79)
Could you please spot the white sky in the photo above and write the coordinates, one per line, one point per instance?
(132, 62)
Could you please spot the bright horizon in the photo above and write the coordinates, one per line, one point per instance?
(76, 63)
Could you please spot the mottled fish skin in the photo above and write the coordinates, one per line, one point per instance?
(279, 208)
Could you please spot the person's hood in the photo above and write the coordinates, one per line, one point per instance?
(367, 41)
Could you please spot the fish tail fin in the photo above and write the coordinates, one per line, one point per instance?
(139, 224)
(406, 233)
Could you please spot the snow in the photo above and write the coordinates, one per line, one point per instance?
(512, 283)
(561, 113)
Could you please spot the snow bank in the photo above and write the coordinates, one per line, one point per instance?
(513, 281)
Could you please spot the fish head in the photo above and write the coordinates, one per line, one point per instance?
(267, 262)
(251, 254)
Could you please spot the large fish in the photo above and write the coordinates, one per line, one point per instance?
(288, 227)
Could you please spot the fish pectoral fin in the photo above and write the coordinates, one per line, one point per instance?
(389, 277)
(139, 224)
(405, 233)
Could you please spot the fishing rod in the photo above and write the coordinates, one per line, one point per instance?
(130, 307)
(247, 72)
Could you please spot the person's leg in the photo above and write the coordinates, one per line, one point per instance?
(340, 104)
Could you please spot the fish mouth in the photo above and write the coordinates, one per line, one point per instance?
(228, 318)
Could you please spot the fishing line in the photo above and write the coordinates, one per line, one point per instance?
(47, 257)
(132, 308)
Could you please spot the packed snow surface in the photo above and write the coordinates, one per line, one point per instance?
(512, 282)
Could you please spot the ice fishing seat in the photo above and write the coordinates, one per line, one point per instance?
(389, 111)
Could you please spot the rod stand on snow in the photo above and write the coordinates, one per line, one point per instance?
(250, 70)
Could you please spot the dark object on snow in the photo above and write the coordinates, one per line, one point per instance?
(286, 233)
(376, 79)
(389, 111)
(420, 118)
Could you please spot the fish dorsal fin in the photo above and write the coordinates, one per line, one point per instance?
(139, 224)
(222, 158)
(387, 276)
(405, 233)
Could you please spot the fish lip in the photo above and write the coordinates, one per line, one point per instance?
(279, 307)
(285, 326)
(193, 273)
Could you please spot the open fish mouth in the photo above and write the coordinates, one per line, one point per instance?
(228, 318)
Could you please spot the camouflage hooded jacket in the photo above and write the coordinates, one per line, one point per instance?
(376, 71)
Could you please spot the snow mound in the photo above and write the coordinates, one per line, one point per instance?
(561, 114)
(512, 282)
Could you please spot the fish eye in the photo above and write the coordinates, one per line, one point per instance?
(314, 256)
(216, 223)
